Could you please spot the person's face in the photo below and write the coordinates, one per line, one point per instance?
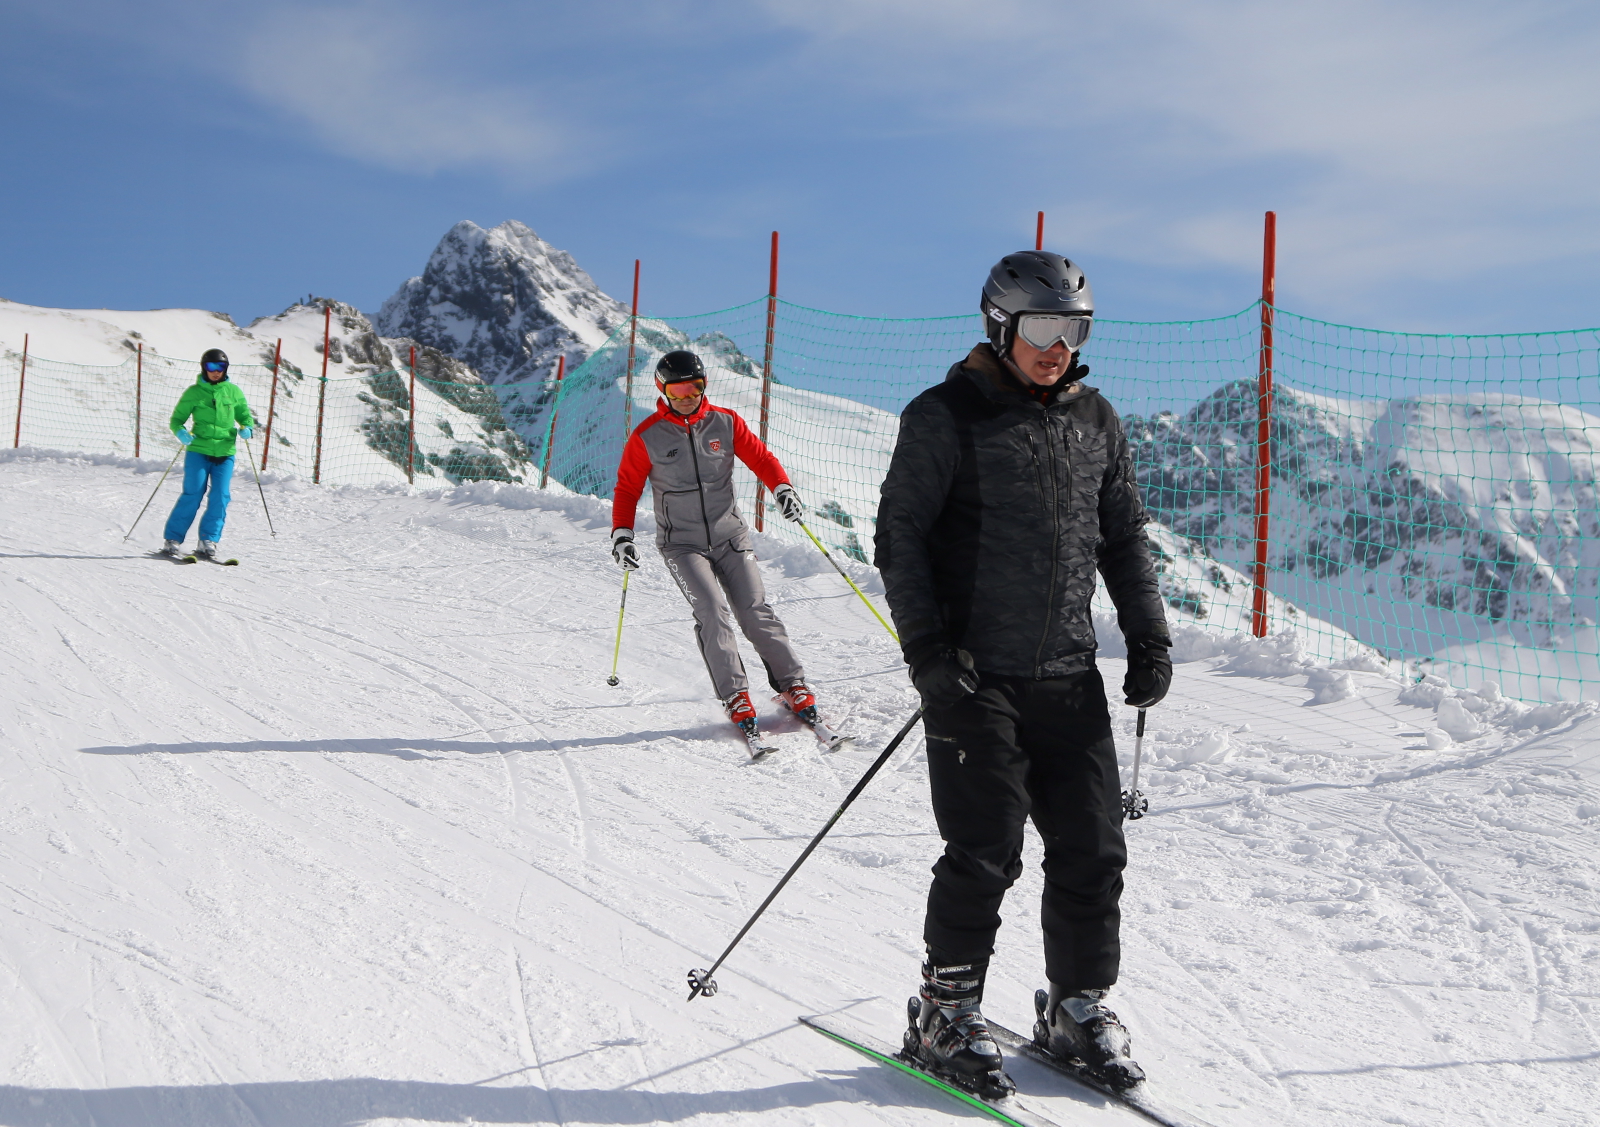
(685, 397)
(214, 374)
(1042, 367)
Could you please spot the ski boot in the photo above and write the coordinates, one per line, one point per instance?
(947, 1035)
(207, 550)
(743, 715)
(173, 548)
(1079, 1029)
(801, 701)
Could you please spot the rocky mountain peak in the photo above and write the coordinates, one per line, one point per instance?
(503, 301)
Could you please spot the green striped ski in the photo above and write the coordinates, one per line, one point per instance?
(1007, 1111)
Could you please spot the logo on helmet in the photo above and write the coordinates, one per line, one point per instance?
(998, 314)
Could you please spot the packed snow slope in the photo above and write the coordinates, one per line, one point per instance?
(355, 833)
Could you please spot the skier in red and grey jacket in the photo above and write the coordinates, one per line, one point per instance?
(686, 451)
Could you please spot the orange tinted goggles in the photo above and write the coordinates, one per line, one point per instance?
(684, 389)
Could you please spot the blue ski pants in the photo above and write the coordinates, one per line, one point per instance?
(200, 471)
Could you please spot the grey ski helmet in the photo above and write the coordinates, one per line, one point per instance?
(1031, 281)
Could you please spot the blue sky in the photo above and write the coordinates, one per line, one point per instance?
(1433, 165)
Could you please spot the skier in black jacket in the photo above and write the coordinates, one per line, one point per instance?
(1011, 484)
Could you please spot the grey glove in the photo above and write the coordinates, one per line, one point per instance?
(623, 550)
(788, 502)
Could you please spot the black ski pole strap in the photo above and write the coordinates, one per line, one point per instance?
(701, 980)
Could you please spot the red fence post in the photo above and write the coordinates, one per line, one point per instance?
(22, 380)
(766, 368)
(322, 392)
(1038, 235)
(411, 424)
(1269, 255)
(550, 440)
(138, 401)
(272, 404)
(633, 328)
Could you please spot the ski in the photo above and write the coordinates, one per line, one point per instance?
(826, 736)
(171, 557)
(759, 749)
(210, 559)
(1007, 1110)
(1135, 1098)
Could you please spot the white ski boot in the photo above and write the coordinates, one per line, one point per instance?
(1080, 1029)
(207, 550)
(947, 1035)
(173, 548)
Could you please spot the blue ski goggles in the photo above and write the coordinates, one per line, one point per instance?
(215, 365)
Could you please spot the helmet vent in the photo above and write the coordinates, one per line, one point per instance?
(1015, 277)
(1048, 284)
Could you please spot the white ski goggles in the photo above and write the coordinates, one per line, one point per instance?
(1042, 330)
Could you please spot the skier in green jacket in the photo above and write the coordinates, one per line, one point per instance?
(217, 407)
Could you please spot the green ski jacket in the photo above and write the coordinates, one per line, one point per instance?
(216, 408)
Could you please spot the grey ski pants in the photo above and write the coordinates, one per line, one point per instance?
(724, 578)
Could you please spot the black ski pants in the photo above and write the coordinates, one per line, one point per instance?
(1018, 748)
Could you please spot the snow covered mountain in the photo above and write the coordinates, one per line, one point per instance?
(1406, 521)
(503, 301)
(88, 390)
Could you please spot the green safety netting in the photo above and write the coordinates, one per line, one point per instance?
(1433, 497)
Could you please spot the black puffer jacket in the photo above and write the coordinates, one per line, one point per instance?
(997, 510)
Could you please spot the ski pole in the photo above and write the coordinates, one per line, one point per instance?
(1134, 803)
(850, 581)
(700, 981)
(154, 491)
(613, 680)
(251, 455)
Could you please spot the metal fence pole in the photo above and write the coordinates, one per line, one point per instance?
(322, 392)
(411, 424)
(555, 413)
(633, 332)
(766, 370)
(22, 380)
(138, 400)
(272, 405)
(1269, 255)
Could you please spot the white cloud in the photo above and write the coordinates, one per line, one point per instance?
(366, 82)
(1398, 139)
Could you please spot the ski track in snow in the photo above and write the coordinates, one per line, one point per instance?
(356, 833)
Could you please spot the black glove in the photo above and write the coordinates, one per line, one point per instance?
(943, 674)
(1149, 671)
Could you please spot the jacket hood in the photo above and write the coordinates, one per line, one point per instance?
(201, 379)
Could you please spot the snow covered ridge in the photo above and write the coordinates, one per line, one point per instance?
(90, 387)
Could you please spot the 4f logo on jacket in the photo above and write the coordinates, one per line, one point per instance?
(714, 445)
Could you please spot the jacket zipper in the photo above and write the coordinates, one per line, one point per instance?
(1055, 540)
(699, 483)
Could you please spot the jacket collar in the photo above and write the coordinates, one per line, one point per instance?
(664, 409)
(998, 383)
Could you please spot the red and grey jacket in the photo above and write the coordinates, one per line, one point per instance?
(688, 460)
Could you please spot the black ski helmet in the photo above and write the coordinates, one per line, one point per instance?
(214, 356)
(677, 366)
(1030, 281)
